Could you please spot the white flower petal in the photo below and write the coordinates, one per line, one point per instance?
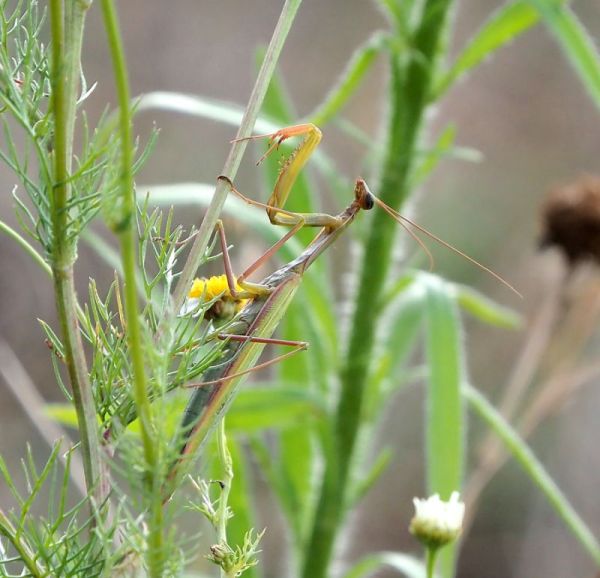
(436, 522)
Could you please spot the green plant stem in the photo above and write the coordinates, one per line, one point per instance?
(409, 85)
(27, 555)
(430, 557)
(29, 249)
(126, 231)
(236, 152)
(223, 512)
(128, 241)
(37, 258)
(65, 59)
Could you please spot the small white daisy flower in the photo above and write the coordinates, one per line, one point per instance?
(436, 522)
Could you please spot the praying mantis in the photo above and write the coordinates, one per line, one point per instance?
(268, 300)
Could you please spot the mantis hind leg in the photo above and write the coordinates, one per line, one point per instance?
(297, 345)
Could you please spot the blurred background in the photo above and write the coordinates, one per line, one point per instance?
(527, 114)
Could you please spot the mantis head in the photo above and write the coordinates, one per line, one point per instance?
(363, 196)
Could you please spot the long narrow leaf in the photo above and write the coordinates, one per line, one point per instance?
(273, 407)
(445, 414)
(200, 194)
(445, 419)
(16, 236)
(280, 488)
(575, 41)
(486, 310)
(359, 65)
(535, 470)
(379, 466)
(503, 26)
(401, 329)
(406, 325)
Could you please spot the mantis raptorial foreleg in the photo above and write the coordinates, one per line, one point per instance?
(288, 174)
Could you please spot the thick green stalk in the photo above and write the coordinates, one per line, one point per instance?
(66, 59)
(409, 91)
(128, 241)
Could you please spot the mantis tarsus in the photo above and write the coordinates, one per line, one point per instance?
(270, 298)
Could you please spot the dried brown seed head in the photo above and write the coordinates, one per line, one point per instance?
(571, 220)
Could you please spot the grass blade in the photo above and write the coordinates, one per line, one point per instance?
(486, 310)
(273, 407)
(535, 470)
(200, 194)
(445, 419)
(240, 501)
(503, 26)
(359, 65)
(575, 41)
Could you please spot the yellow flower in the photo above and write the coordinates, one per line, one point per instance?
(215, 289)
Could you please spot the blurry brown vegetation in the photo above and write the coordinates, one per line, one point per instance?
(571, 220)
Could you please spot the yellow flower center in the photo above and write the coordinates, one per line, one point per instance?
(215, 287)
